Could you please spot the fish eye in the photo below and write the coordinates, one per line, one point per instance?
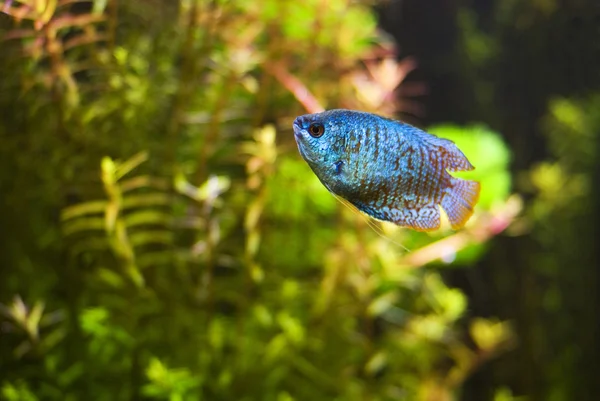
(316, 130)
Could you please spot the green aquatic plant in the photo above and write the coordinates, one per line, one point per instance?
(153, 196)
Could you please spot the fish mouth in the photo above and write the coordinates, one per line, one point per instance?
(297, 129)
(300, 136)
(297, 123)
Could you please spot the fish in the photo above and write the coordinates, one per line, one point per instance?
(387, 169)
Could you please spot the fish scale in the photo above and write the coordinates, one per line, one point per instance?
(387, 169)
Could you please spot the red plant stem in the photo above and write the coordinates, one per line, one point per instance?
(296, 87)
(490, 226)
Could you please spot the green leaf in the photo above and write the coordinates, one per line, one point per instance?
(82, 209)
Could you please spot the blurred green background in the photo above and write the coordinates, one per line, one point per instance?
(161, 238)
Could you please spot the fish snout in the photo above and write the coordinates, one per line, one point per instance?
(297, 128)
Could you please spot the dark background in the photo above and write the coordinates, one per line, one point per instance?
(556, 55)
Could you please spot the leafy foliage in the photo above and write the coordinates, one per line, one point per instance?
(154, 199)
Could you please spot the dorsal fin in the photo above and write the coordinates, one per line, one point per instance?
(453, 158)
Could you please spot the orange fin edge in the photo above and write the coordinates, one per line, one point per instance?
(459, 201)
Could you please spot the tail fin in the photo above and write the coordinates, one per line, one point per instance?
(459, 201)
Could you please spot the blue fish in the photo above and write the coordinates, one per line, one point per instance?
(387, 169)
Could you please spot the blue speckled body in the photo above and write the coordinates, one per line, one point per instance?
(390, 170)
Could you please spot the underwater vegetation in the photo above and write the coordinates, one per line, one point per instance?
(162, 237)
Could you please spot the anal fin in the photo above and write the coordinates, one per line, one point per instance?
(422, 218)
